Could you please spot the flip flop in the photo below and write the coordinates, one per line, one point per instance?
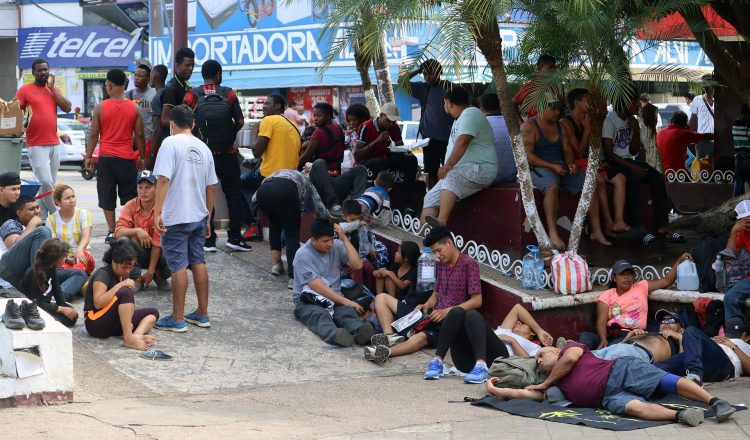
(649, 239)
(676, 237)
(156, 355)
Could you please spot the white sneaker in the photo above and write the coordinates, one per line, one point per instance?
(277, 269)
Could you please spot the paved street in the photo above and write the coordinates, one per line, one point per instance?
(258, 373)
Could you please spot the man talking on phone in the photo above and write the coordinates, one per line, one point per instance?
(41, 134)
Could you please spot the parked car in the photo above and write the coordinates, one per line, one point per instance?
(72, 135)
(666, 111)
(409, 134)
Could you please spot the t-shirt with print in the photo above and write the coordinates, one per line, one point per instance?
(629, 310)
(284, 144)
(310, 264)
(481, 149)
(585, 384)
(72, 230)
(10, 227)
(144, 101)
(369, 130)
(42, 129)
(529, 347)
(189, 165)
(618, 130)
(455, 285)
(733, 357)
(704, 112)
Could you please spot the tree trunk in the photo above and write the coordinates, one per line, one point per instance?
(717, 221)
(383, 76)
(491, 44)
(363, 67)
(597, 113)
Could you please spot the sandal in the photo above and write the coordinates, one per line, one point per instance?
(676, 237)
(649, 239)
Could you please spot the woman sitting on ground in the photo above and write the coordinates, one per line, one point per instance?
(624, 307)
(402, 276)
(109, 304)
(40, 283)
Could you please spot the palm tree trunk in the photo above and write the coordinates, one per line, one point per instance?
(597, 113)
(363, 67)
(382, 75)
(491, 44)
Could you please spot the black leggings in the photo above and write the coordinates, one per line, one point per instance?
(469, 337)
(279, 200)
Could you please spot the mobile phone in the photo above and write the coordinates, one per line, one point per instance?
(50, 79)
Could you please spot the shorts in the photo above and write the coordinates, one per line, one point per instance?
(630, 379)
(544, 178)
(182, 244)
(106, 321)
(431, 329)
(115, 176)
(462, 180)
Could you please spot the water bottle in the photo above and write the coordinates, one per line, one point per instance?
(719, 264)
(539, 277)
(426, 266)
(530, 277)
(687, 276)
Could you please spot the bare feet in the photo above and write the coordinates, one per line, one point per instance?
(618, 227)
(138, 342)
(600, 238)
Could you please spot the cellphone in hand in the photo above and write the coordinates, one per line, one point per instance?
(50, 79)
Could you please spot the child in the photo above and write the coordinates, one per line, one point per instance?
(73, 226)
(399, 281)
(362, 238)
(376, 201)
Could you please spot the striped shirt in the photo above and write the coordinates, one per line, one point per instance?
(741, 134)
(70, 231)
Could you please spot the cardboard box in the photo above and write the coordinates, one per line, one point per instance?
(11, 118)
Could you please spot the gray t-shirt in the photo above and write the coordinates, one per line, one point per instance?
(618, 130)
(144, 101)
(481, 149)
(310, 264)
(189, 165)
(435, 123)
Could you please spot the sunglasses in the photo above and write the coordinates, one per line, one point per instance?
(668, 321)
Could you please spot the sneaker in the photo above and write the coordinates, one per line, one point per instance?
(479, 374)
(691, 416)
(168, 323)
(31, 316)
(199, 320)
(277, 269)
(694, 377)
(723, 410)
(290, 284)
(434, 369)
(252, 233)
(364, 334)
(377, 353)
(238, 244)
(109, 238)
(162, 284)
(12, 317)
(343, 338)
(336, 211)
(209, 246)
(388, 340)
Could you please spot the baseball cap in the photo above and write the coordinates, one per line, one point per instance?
(621, 266)
(742, 209)
(552, 100)
(146, 175)
(144, 64)
(735, 327)
(390, 111)
(663, 314)
(9, 178)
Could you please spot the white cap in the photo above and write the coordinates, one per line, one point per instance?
(390, 111)
(742, 209)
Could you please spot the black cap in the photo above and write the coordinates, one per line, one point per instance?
(9, 178)
(661, 314)
(735, 327)
(147, 175)
(621, 266)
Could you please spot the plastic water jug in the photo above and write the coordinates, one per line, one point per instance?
(687, 276)
(532, 275)
(426, 271)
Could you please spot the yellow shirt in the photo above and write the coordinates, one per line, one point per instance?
(284, 145)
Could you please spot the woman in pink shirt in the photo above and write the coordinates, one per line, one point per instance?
(625, 306)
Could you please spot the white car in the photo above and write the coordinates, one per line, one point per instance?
(72, 136)
(668, 109)
(409, 134)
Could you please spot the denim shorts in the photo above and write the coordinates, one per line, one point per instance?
(630, 379)
(544, 178)
(182, 245)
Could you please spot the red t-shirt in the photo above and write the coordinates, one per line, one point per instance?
(117, 122)
(586, 382)
(330, 146)
(42, 129)
(369, 131)
(521, 96)
(672, 143)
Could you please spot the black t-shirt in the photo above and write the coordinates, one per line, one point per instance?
(410, 275)
(104, 274)
(6, 214)
(42, 296)
(172, 95)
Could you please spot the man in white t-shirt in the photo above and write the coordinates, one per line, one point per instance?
(702, 116)
(185, 192)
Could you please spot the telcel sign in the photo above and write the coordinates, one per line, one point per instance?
(86, 46)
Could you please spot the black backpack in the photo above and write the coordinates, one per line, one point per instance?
(704, 254)
(214, 124)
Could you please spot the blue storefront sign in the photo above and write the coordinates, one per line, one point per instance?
(83, 46)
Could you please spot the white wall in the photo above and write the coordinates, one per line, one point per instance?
(8, 19)
(68, 14)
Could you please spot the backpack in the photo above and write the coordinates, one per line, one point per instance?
(516, 372)
(214, 123)
(704, 255)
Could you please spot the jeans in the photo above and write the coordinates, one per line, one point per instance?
(592, 340)
(334, 190)
(700, 355)
(735, 298)
(21, 256)
(182, 244)
(71, 281)
(45, 161)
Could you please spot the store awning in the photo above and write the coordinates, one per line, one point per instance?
(298, 77)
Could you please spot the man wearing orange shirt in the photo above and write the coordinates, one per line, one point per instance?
(41, 134)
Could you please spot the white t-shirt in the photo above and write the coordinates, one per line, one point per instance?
(742, 345)
(189, 165)
(617, 129)
(704, 112)
(528, 346)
